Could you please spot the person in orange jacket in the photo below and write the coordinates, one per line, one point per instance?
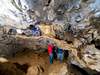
(50, 52)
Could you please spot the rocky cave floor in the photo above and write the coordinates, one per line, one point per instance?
(38, 63)
(31, 63)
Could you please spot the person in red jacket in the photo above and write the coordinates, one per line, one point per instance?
(50, 52)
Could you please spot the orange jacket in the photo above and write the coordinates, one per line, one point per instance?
(50, 48)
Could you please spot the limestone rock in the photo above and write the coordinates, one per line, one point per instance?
(2, 60)
(8, 46)
(62, 70)
(47, 30)
(32, 71)
(35, 70)
(77, 43)
(74, 23)
(91, 57)
(8, 68)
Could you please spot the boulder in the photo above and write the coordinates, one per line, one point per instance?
(91, 57)
(47, 30)
(8, 68)
(62, 70)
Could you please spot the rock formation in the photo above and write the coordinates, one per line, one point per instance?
(72, 25)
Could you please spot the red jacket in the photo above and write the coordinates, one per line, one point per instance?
(50, 48)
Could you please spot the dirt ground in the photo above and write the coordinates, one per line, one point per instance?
(38, 62)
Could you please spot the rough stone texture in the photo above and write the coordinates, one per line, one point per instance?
(71, 25)
(33, 71)
(62, 70)
(8, 44)
(91, 57)
(10, 69)
(41, 42)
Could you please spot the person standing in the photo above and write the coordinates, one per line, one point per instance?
(50, 52)
(55, 52)
(60, 54)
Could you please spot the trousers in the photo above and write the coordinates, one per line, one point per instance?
(60, 56)
(51, 58)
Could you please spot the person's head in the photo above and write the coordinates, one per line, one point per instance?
(48, 42)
